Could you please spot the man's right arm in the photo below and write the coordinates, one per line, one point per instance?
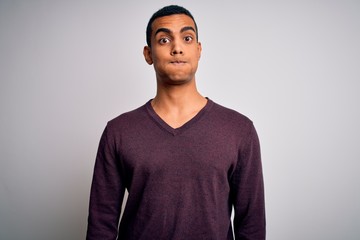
(107, 192)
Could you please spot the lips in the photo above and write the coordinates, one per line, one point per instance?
(178, 62)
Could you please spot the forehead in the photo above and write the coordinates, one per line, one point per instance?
(173, 22)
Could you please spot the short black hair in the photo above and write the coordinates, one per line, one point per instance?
(167, 11)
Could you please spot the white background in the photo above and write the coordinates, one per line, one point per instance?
(293, 67)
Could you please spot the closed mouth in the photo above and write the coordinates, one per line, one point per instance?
(177, 62)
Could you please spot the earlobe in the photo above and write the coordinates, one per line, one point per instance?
(199, 49)
(147, 55)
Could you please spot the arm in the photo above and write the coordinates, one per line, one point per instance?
(107, 192)
(247, 191)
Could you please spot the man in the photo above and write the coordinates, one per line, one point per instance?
(185, 160)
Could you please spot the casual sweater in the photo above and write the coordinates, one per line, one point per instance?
(182, 182)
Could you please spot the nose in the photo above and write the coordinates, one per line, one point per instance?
(176, 48)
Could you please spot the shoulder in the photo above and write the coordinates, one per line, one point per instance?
(230, 117)
(128, 119)
(235, 126)
(231, 125)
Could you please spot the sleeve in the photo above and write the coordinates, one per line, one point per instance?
(107, 192)
(247, 191)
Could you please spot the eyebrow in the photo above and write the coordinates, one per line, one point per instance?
(168, 31)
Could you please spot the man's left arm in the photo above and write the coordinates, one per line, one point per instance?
(247, 191)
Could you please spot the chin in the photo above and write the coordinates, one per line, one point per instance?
(178, 78)
(178, 81)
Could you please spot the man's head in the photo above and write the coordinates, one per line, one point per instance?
(173, 48)
(167, 11)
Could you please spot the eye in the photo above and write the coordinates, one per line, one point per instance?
(188, 39)
(164, 40)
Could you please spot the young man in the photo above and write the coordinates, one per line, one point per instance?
(185, 160)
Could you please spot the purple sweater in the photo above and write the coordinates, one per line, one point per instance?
(182, 182)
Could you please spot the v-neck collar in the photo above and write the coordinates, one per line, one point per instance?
(176, 131)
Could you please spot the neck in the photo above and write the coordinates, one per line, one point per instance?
(177, 104)
(172, 97)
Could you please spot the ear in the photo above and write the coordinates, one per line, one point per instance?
(199, 49)
(147, 55)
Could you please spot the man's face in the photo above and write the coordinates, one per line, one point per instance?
(174, 49)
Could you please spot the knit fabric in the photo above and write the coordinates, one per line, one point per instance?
(182, 182)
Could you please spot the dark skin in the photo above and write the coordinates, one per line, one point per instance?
(175, 53)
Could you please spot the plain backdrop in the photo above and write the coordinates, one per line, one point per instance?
(293, 67)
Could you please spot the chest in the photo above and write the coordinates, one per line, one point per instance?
(191, 156)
